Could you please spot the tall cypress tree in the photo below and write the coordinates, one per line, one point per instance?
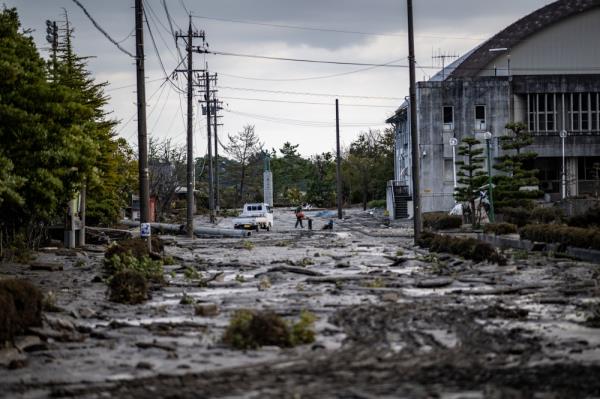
(516, 174)
(471, 175)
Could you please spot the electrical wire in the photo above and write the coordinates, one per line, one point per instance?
(329, 30)
(314, 77)
(113, 41)
(299, 122)
(308, 103)
(309, 93)
(157, 22)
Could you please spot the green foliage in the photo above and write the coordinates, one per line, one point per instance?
(468, 248)
(133, 254)
(248, 245)
(250, 329)
(377, 204)
(55, 136)
(441, 221)
(470, 175)
(191, 273)
(508, 190)
(518, 216)
(500, 228)
(564, 235)
(129, 287)
(368, 165)
(547, 215)
(376, 283)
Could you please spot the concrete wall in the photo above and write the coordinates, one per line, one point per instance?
(437, 186)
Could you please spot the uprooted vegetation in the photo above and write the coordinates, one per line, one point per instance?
(20, 308)
(441, 221)
(249, 329)
(468, 248)
(130, 266)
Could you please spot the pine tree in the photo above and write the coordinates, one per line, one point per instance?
(508, 191)
(471, 175)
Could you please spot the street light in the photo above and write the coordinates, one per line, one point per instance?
(488, 138)
(454, 143)
(563, 136)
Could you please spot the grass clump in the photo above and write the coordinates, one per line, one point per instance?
(590, 218)
(240, 278)
(190, 273)
(250, 329)
(376, 283)
(468, 248)
(376, 204)
(441, 221)
(20, 308)
(248, 245)
(128, 287)
(500, 228)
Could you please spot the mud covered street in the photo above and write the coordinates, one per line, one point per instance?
(392, 321)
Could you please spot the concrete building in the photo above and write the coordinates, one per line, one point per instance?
(543, 70)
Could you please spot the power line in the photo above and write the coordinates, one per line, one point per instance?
(312, 61)
(299, 122)
(113, 41)
(307, 103)
(314, 77)
(311, 94)
(320, 29)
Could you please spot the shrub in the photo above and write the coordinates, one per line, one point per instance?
(250, 329)
(518, 216)
(500, 228)
(151, 270)
(20, 308)
(377, 204)
(129, 287)
(468, 248)
(135, 247)
(590, 218)
(441, 221)
(564, 235)
(547, 215)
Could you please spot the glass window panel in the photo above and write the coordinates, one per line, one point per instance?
(550, 122)
(542, 99)
(594, 121)
(575, 121)
(594, 101)
(584, 101)
(551, 102)
(576, 102)
(448, 117)
(531, 122)
(585, 121)
(479, 112)
(542, 122)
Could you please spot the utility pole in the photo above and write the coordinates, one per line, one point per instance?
(414, 133)
(216, 124)
(338, 159)
(190, 136)
(141, 106)
(211, 198)
(189, 71)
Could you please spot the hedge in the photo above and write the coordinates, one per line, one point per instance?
(500, 228)
(564, 235)
(468, 248)
(441, 221)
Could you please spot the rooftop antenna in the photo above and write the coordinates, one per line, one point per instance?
(441, 56)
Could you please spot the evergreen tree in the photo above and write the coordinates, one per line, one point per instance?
(508, 190)
(471, 175)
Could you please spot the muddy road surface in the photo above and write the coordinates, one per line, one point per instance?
(393, 321)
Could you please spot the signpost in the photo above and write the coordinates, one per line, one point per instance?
(488, 138)
(454, 143)
(563, 135)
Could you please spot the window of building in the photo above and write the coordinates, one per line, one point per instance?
(584, 112)
(541, 111)
(480, 117)
(448, 118)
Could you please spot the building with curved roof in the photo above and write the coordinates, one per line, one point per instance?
(544, 71)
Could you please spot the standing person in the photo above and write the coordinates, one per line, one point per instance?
(299, 217)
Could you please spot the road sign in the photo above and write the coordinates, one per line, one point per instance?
(145, 230)
(453, 142)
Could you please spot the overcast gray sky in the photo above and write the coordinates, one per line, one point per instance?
(441, 26)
